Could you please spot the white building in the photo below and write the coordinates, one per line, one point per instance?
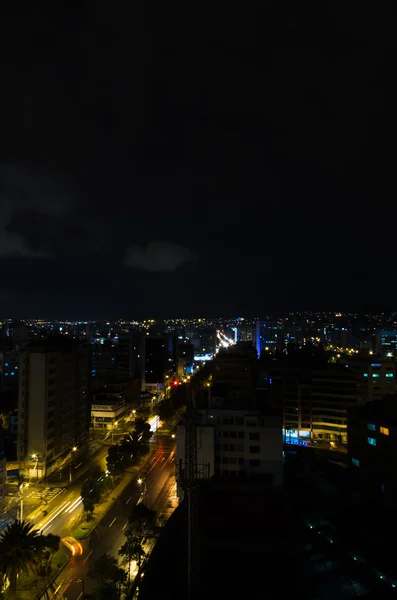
(107, 410)
(237, 442)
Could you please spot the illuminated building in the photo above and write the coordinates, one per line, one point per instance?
(238, 437)
(372, 447)
(386, 341)
(54, 402)
(269, 334)
(376, 377)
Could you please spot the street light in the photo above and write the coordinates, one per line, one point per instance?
(74, 449)
(139, 482)
(37, 458)
(173, 436)
(115, 423)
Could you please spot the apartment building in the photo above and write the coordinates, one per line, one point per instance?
(54, 403)
(372, 431)
(238, 437)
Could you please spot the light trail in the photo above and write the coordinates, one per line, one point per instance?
(47, 522)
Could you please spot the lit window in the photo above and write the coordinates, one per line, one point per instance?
(371, 427)
(365, 374)
(389, 374)
(355, 462)
(375, 374)
(384, 430)
(372, 441)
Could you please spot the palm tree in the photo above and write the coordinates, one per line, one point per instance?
(20, 551)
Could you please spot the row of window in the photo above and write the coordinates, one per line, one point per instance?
(237, 448)
(388, 375)
(240, 435)
(230, 460)
(239, 421)
(383, 430)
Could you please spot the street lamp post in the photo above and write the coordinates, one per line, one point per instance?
(70, 463)
(139, 482)
(113, 428)
(37, 458)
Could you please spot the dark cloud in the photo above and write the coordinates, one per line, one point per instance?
(158, 256)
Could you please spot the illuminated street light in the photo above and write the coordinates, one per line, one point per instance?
(173, 436)
(73, 449)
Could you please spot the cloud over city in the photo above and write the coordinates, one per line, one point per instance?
(158, 256)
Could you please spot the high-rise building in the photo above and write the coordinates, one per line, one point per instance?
(386, 342)
(54, 403)
(129, 354)
(238, 438)
(269, 334)
(154, 363)
(315, 401)
(372, 430)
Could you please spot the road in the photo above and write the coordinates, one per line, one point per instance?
(109, 534)
(39, 496)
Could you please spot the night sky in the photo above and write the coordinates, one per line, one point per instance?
(201, 163)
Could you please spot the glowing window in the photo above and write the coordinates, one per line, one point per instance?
(389, 374)
(371, 427)
(372, 441)
(355, 462)
(375, 374)
(384, 430)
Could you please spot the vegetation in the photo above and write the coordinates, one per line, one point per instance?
(92, 490)
(24, 551)
(132, 447)
(132, 550)
(141, 521)
(109, 576)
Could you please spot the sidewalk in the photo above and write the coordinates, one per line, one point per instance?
(86, 527)
(61, 478)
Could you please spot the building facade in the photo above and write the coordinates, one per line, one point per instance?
(372, 435)
(237, 442)
(54, 403)
(269, 335)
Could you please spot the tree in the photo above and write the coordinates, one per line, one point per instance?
(136, 442)
(20, 551)
(106, 570)
(50, 544)
(132, 550)
(91, 491)
(116, 460)
(165, 411)
(141, 521)
(107, 591)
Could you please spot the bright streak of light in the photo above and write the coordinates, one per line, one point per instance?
(154, 423)
(46, 523)
(224, 340)
(112, 522)
(75, 504)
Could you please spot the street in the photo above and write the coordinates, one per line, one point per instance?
(41, 496)
(109, 534)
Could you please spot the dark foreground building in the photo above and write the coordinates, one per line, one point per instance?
(247, 546)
